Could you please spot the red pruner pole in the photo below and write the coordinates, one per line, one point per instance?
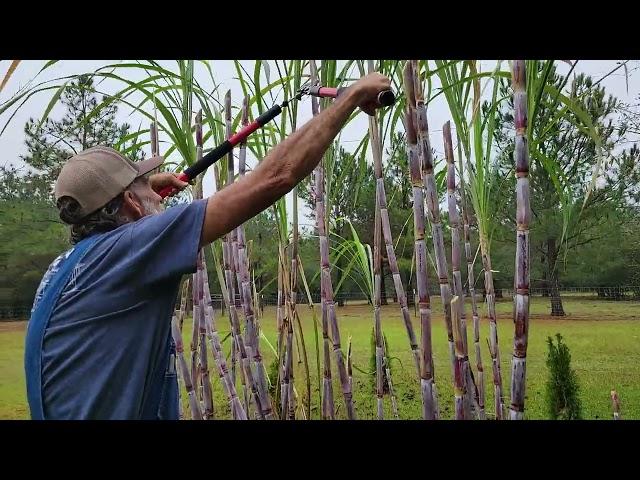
(385, 99)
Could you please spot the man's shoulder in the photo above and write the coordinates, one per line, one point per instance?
(173, 217)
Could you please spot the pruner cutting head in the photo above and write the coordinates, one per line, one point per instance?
(304, 89)
(385, 99)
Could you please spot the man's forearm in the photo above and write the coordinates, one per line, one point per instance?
(297, 156)
(284, 167)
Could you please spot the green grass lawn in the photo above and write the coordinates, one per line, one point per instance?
(603, 338)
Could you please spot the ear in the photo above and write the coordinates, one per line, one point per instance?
(131, 206)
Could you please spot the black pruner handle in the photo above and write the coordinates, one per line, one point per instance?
(386, 98)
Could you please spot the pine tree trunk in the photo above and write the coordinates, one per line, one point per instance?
(557, 309)
(545, 278)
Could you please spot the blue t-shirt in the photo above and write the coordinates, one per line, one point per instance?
(106, 349)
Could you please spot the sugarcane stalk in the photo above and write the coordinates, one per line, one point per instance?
(456, 254)
(287, 384)
(435, 401)
(237, 411)
(326, 292)
(155, 146)
(231, 279)
(306, 365)
(237, 339)
(183, 303)
(293, 300)
(246, 290)
(291, 412)
(284, 342)
(286, 397)
(234, 352)
(331, 312)
(420, 250)
(377, 320)
(243, 382)
(315, 328)
(381, 202)
(459, 371)
(198, 298)
(195, 371)
(494, 349)
(323, 223)
(392, 393)
(231, 251)
(257, 302)
(433, 209)
(472, 393)
(472, 292)
(241, 249)
(615, 401)
(280, 309)
(196, 414)
(293, 403)
(180, 408)
(198, 311)
(328, 405)
(349, 362)
(523, 218)
(289, 399)
(179, 319)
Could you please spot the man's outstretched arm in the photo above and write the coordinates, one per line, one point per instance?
(286, 164)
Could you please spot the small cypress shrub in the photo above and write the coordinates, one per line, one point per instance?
(562, 389)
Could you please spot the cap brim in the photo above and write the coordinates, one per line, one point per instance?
(145, 166)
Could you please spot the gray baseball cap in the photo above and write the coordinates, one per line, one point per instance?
(97, 175)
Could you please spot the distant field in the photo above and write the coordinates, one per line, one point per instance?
(604, 338)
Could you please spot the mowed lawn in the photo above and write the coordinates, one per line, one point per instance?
(604, 338)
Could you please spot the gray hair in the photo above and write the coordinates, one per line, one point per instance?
(102, 220)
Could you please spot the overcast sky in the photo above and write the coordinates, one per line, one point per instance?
(12, 140)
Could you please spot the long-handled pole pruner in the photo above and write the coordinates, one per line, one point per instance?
(386, 98)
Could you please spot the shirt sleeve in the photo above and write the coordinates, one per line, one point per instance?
(165, 246)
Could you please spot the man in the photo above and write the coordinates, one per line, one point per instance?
(99, 340)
